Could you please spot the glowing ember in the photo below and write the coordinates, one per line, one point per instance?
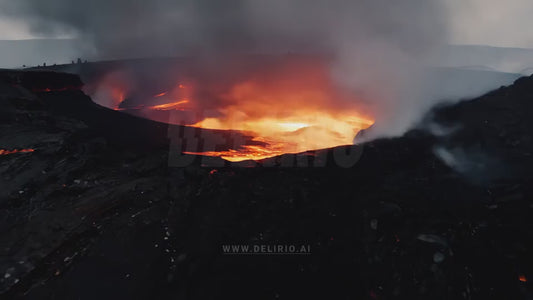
(160, 95)
(522, 278)
(7, 152)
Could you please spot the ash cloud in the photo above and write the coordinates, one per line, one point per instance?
(380, 47)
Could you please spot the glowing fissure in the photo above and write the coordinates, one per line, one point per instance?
(170, 106)
(7, 152)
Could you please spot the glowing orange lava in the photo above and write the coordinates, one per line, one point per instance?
(292, 134)
(293, 108)
(290, 105)
(170, 106)
(7, 152)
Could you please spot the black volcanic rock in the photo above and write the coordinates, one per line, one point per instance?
(90, 215)
(495, 129)
(40, 81)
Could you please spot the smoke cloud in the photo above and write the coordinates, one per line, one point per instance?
(380, 48)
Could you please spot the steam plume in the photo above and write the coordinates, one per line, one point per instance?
(380, 47)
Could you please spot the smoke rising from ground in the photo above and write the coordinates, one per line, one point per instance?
(379, 47)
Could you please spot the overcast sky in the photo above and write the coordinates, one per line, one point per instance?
(505, 23)
(373, 43)
(113, 29)
(488, 22)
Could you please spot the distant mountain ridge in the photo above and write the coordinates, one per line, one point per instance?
(510, 60)
(34, 52)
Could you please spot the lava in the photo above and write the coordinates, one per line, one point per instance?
(290, 105)
(170, 106)
(283, 136)
(291, 108)
(178, 105)
(7, 152)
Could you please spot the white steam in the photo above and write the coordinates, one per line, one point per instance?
(380, 48)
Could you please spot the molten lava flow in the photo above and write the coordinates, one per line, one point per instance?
(287, 104)
(163, 101)
(289, 135)
(140, 106)
(178, 105)
(291, 108)
(7, 152)
(170, 106)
